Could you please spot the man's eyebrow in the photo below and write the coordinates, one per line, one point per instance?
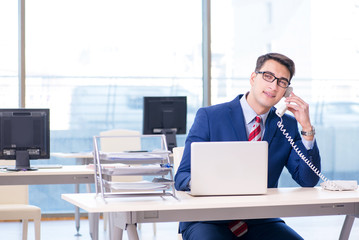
(282, 78)
(267, 72)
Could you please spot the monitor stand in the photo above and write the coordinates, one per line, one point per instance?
(22, 162)
(171, 140)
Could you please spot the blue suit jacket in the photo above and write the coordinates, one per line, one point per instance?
(225, 122)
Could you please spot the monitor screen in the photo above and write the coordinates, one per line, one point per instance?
(165, 115)
(24, 135)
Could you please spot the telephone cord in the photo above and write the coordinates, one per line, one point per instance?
(300, 154)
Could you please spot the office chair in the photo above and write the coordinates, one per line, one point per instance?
(14, 206)
(117, 145)
(177, 157)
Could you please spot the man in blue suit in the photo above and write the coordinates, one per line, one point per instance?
(232, 121)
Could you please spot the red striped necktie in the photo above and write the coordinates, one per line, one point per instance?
(255, 134)
(239, 227)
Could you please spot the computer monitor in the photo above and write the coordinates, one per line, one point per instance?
(24, 135)
(165, 115)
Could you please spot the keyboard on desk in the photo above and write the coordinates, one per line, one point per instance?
(11, 168)
(47, 166)
(44, 166)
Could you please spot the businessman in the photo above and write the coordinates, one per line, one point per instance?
(232, 121)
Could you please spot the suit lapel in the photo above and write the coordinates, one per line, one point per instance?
(271, 126)
(236, 114)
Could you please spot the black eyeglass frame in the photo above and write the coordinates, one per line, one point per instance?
(275, 78)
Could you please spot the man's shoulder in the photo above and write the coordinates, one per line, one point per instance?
(220, 106)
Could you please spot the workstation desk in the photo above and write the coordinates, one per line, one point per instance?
(125, 212)
(67, 174)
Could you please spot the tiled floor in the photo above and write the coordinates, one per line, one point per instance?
(311, 228)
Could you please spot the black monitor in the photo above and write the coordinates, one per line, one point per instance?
(165, 115)
(24, 135)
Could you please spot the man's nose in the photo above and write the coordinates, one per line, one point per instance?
(274, 84)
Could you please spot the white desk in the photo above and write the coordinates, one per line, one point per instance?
(74, 174)
(283, 202)
(68, 174)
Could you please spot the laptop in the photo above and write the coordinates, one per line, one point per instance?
(229, 168)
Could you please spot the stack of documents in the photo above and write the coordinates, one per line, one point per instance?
(125, 157)
(109, 165)
(137, 186)
(136, 170)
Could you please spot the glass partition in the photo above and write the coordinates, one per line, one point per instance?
(9, 54)
(93, 67)
(325, 50)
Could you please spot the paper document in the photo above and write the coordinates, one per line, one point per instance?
(132, 156)
(137, 169)
(142, 185)
(110, 165)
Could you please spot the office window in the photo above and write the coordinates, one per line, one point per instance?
(8, 57)
(92, 62)
(93, 67)
(326, 53)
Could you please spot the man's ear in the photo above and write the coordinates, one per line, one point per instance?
(251, 80)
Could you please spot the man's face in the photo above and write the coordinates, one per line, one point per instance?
(265, 94)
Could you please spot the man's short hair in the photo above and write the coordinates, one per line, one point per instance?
(284, 60)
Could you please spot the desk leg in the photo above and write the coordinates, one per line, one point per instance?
(93, 221)
(94, 218)
(77, 209)
(88, 187)
(115, 231)
(77, 213)
(132, 232)
(347, 226)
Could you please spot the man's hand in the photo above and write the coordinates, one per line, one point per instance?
(300, 110)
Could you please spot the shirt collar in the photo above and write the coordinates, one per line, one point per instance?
(248, 113)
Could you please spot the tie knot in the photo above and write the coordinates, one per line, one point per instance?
(258, 119)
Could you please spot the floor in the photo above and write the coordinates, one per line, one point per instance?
(311, 228)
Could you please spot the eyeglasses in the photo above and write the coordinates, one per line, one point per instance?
(269, 77)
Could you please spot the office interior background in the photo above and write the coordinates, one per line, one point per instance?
(91, 62)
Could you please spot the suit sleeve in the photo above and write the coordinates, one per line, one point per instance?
(199, 132)
(299, 170)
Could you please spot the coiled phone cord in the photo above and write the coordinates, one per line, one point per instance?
(300, 154)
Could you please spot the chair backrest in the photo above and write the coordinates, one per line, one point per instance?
(120, 144)
(177, 157)
(13, 194)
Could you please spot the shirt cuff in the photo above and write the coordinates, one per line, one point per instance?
(308, 144)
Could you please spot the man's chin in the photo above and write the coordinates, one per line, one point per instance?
(269, 102)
